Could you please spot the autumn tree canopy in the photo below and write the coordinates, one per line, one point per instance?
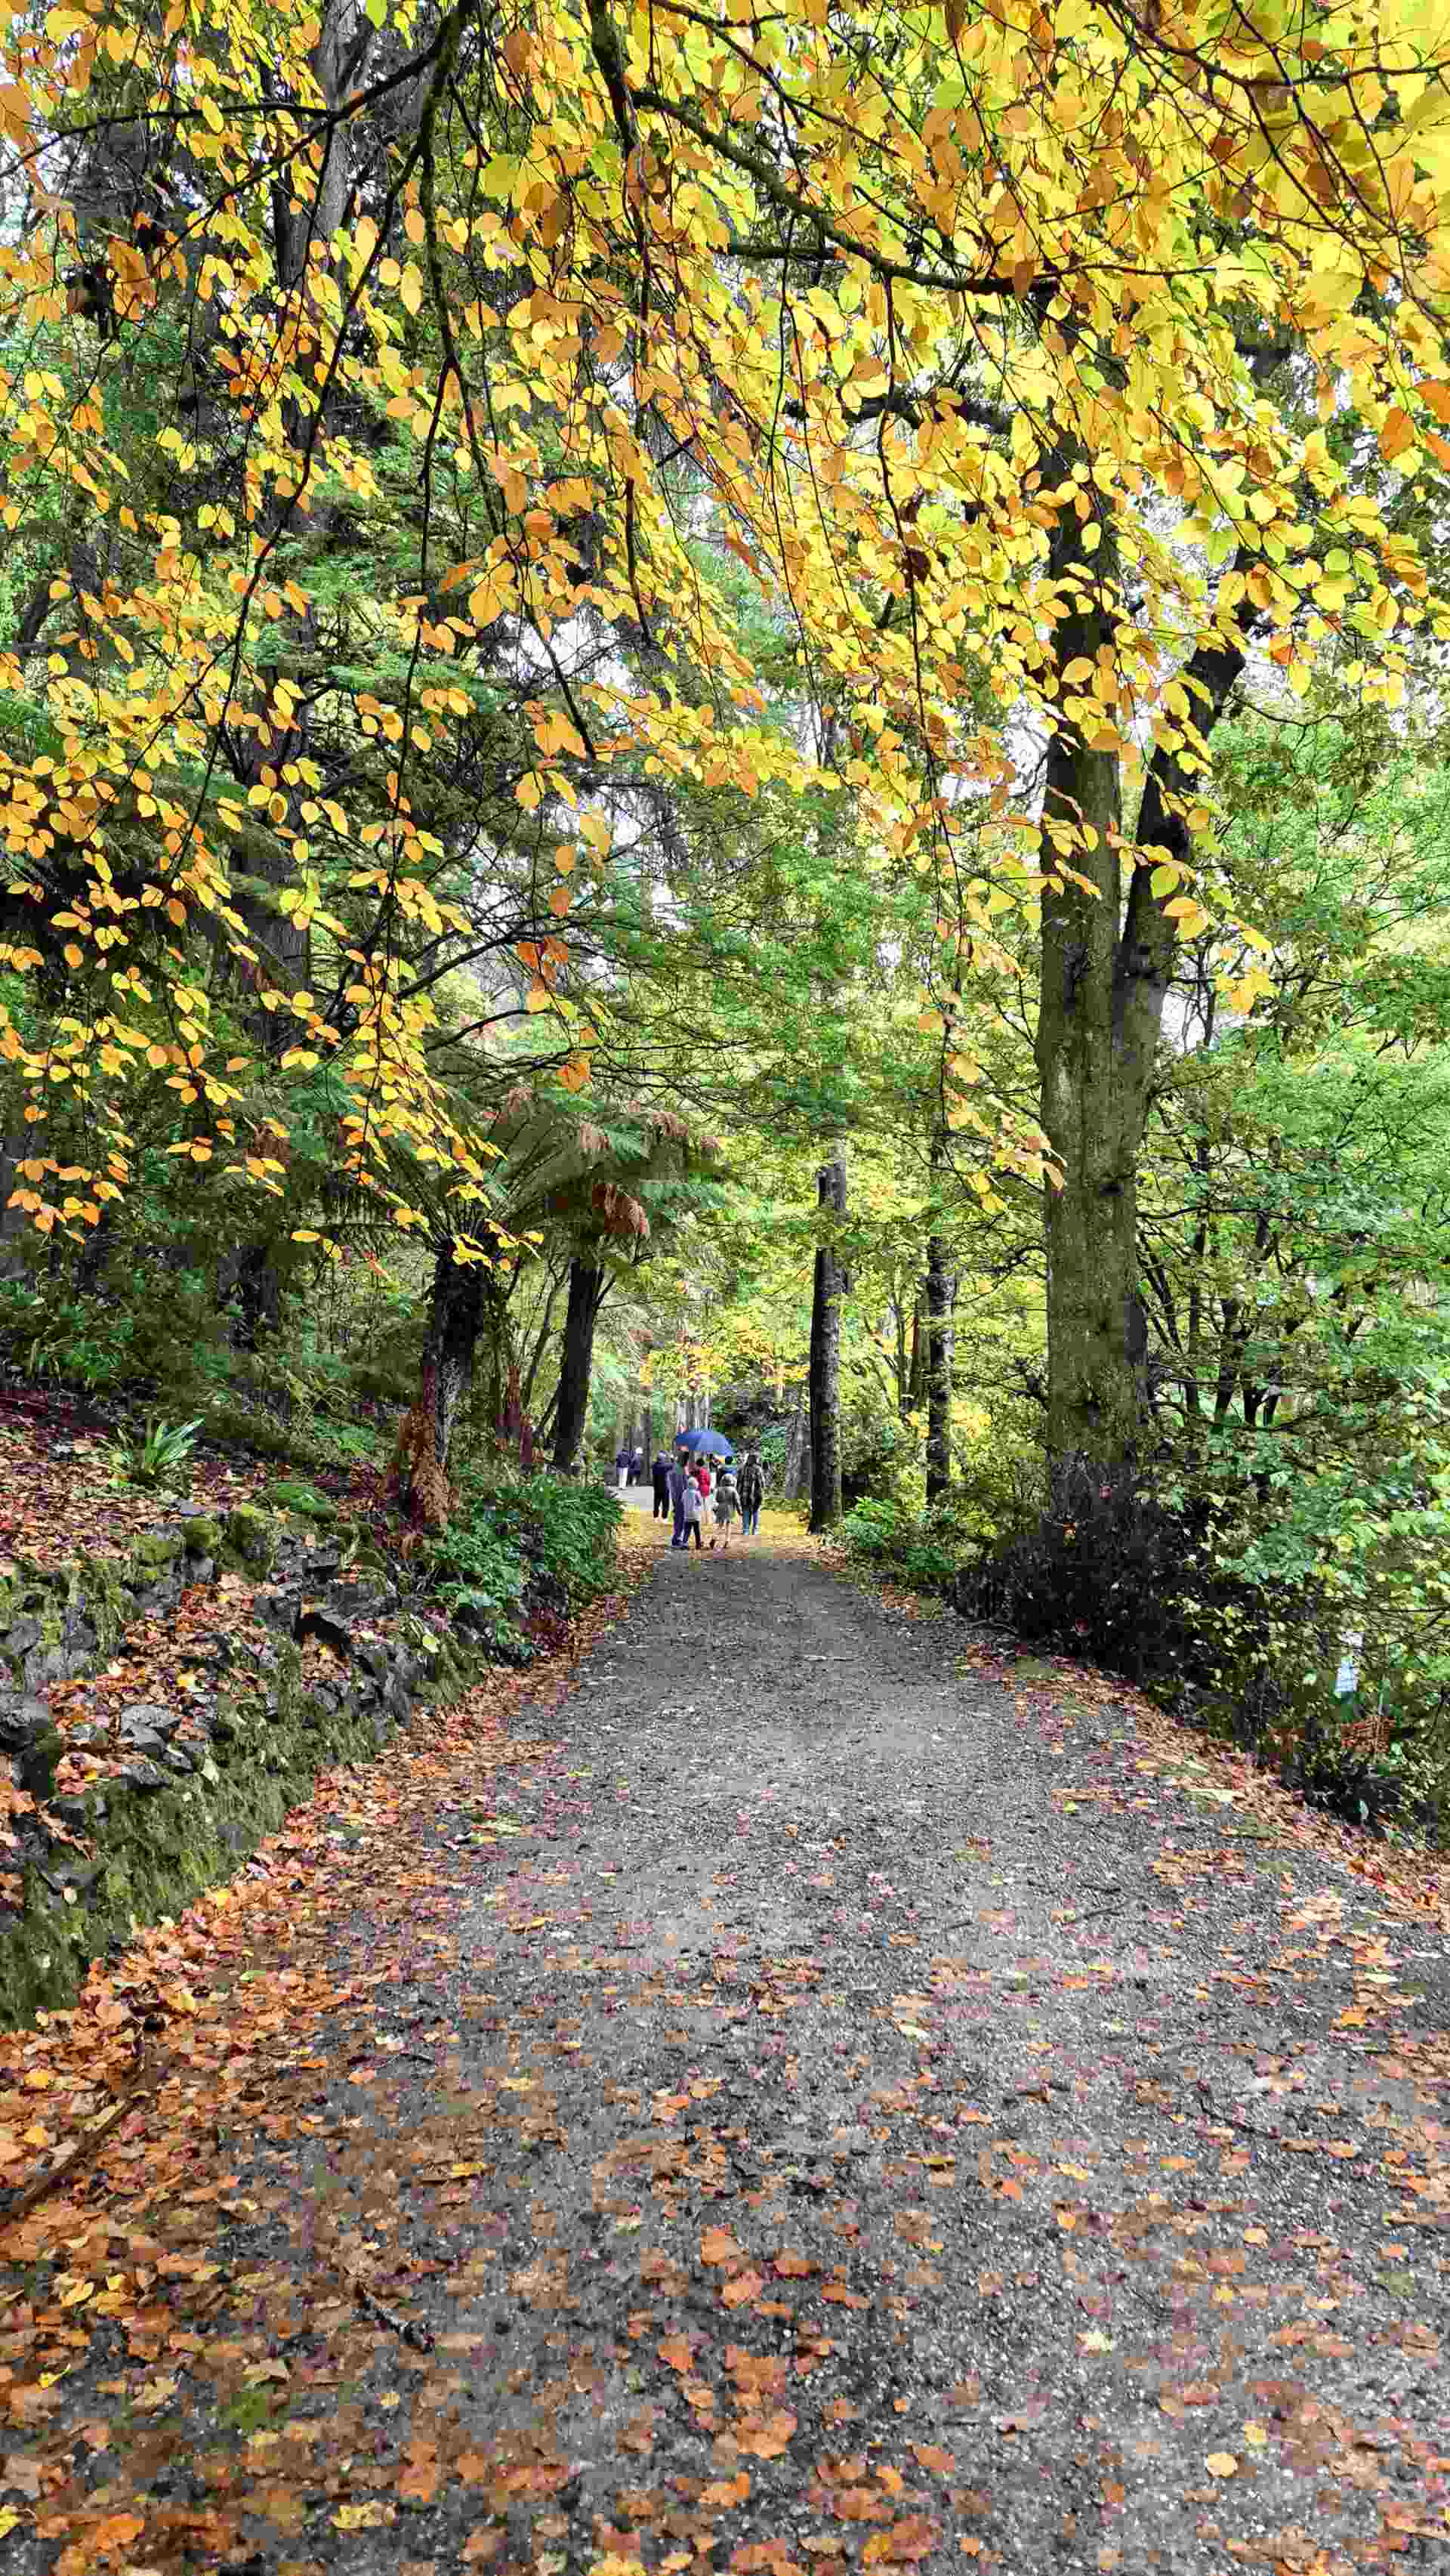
(396, 401)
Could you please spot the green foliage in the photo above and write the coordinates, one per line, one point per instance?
(290, 1494)
(565, 1528)
(63, 1340)
(921, 1550)
(157, 1455)
(521, 1549)
(479, 1575)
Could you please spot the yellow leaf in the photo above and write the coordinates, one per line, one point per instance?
(410, 289)
(363, 2517)
(1222, 2464)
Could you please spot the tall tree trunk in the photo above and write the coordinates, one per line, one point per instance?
(941, 1298)
(586, 1295)
(1106, 965)
(792, 1477)
(454, 1322)
(825, 1372)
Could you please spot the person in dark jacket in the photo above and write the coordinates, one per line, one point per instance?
(752, 1495)
(678, 1479)
(660, 1473)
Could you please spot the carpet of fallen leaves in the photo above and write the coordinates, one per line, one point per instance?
(59, 1494)
(174, 2049)
(153, 2317)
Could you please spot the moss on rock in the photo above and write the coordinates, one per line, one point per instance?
(155, 1551)
(249, 1538)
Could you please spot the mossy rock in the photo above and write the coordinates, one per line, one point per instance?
(108, 1606)
(304, 1500)
(250, 1537)
(155, 1550)
(202, 1537)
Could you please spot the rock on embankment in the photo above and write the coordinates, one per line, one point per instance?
(180, 1796)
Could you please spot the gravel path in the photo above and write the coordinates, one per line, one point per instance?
(838, 2108)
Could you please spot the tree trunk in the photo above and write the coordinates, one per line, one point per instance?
(586, 1293)
(454, 1321)
(825, 1370)
(792, 1476)
(1106, 966)
(941, 1298)
(916, 1378)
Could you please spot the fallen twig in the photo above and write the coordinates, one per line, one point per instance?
(85, 2147)
(420, 2338)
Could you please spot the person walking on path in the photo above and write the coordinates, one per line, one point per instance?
(676, 1481)
(636, 1467)
(622, 1460)
(694, 1508)
(702, 1478)
(752, 1494)
(727, 1503)
(660, 1477)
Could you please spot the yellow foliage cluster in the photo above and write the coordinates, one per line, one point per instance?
(956, 333)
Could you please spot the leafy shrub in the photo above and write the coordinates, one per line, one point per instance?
(522, 1552)
(69, 1340)
(1120, 1579)
(564, 1527)
(923, 1549)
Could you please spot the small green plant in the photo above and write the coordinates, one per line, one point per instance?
(157, 1456)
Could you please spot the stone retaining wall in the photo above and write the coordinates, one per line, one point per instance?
(189, 1793)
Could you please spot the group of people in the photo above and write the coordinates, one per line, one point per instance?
(687, 1493)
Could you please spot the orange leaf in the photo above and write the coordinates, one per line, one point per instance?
(745, 2285)
(717, 2245)
(676, 2351)
(767, 2441)
(727, 2491)
(793, 2267)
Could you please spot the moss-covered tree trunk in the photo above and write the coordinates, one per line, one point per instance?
(1107, 956)
(941, 1298)
(825, 1366)
(576, 1361)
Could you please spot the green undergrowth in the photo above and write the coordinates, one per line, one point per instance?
(521, 1553)
(1112, 1578)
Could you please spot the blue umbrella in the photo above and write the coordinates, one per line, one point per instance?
(704, 1444)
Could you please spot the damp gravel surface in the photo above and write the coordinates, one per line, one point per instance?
(840, 2106)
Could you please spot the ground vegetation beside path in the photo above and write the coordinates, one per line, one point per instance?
(778, 2094)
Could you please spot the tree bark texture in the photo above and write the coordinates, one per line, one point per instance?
(454, 1322)
(1107, 957)
(825, 1368)
(797, 1445)
(941, 1298)
(586, 1292)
